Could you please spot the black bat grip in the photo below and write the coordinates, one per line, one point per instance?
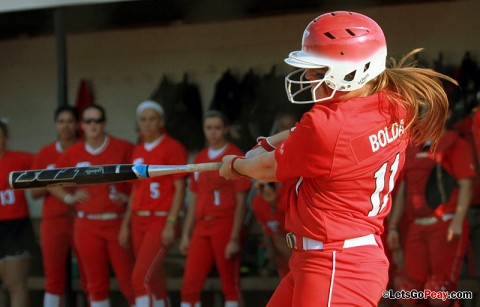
(71, 176)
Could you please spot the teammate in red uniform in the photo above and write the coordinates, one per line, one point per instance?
(56, 231)
(474, 214)
(436, 196)
(214, 220)
(17, 240)
(154, 206)
(476, 131)
(99, 209)
(346, 152)
(269, 207)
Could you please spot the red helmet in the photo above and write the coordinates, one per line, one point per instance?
(349, 45)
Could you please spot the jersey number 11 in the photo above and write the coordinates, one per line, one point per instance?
(380, 181)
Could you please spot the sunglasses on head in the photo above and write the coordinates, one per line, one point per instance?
(94, 120)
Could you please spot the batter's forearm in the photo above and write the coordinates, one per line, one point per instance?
(278, 138)
(262, 167)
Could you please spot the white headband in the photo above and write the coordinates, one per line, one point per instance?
(150, 104)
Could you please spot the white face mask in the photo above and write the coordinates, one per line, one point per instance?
(295, 87)
(340, 76)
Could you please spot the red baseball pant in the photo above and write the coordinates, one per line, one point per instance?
(97, 244)
(428, 254)
(56, 240)
(353, 276)
(148, 275)
(207, 246)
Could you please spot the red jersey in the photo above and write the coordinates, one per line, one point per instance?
(46, 158)
(157, 193)
(13, 204)
(475, 129)
(114, 151)
(457, 158)
(348, 156)
(216, 196)
(272, 221)
(476, 132)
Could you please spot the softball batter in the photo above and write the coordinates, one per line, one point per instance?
(346, 153)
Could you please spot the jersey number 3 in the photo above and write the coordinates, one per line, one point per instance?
(380, 182)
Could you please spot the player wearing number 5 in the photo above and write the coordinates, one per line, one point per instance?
(347, 152)
(213, 225)
(154, 206)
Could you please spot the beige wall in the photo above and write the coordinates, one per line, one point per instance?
(125, 66)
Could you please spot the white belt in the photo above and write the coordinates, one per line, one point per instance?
(310, 244)
(151, 213)
(99, 216)
(425, 221)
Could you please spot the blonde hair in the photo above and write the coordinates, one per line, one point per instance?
(420, 92)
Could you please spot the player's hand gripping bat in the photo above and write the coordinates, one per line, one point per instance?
(68, 176)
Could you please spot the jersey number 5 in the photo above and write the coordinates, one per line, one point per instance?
(380, 181)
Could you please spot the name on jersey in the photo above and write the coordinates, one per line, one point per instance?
(386, 135)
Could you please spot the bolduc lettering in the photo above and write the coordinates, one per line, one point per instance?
(382, 138)
(374, 142)
(386, 136)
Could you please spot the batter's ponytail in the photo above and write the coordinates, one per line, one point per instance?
(420, 92)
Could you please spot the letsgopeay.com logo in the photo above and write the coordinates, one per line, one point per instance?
(427, 294)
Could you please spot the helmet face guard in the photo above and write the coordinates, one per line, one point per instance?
(349, 45)
(296, 83)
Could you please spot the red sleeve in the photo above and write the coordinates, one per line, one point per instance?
(261, 214)
(462, 160)
(27, 160)
(128, 152)
(178, 156)
(257, 202)
(308, 151)
(242, 185)
(38, 161)
(476, 132)
(64, 160)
